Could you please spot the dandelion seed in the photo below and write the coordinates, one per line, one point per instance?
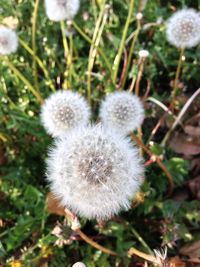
(122, 111)
(98, 187)
(64, 111)
(143, 53)
(8, 41)
(183, 28)
(58, 10)
(79, 264)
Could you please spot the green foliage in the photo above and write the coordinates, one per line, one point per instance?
(26, 229)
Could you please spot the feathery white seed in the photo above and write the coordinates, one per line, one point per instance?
(79, 264)
(122, 111)
(183, 28)
(58, 10)
(8, 41)
(94, 183)
(64, 111)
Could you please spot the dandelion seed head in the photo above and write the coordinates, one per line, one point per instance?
(143, 53)
(79, 264)
(183, 28)
(122, 111)
(94, 172)
(8, 41)
(58, 10)
(64, 111)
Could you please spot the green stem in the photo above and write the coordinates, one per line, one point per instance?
(137, 31)
(101, 52)
(40, 63)
(141, 240)
(34, 21)
(24, 80)
(121, 47)
(66, 54)
(93, 49)
(175, 86)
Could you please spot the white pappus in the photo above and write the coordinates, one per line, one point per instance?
(94, 172)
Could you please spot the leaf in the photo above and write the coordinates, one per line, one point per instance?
(53, 205)
(191, 250)
(180, 144)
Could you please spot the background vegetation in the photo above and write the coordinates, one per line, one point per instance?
(157, 218)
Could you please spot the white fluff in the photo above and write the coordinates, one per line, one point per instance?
(64, 111)
(58, 10)
(183, 28)
(79, 264)
(94, 172)
(8, 41)
(122, 111)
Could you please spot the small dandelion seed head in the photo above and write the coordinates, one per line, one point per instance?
(79, 264)
(122, 111)
(64, 111)
(8, 41)
(95, 181)
(58, 10)
(139, 16)
(183, 28)
(143, 53)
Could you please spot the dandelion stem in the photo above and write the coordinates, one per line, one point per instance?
(142, 255)
(24, 80)
(94, 244)
(141, 240)
(139, 76)
(137, 31)
(121, 47)
(87, 38)
(95, 42)
(34, 22)
(66, 55)
(158, 161)
(40, 63)
(175, 85)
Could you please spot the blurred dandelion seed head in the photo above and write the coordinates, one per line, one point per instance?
(63, 111)
(183, 28)
(143, 53)
(8, 41)
(58, 10)
(122, 111)
(94, 172)
(79, 264)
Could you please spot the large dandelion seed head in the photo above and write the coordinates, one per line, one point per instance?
(122, 111)
(58, 10)
(8, 41)
(64, 111)
(94, 172)
(183, 28)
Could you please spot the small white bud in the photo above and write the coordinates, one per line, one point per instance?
(143, 53)
(139, 16)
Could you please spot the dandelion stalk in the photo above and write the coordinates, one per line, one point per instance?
(135, 37)
(134, 251)
(40, 63)
(158, 161)
(94, 244)
(175, 85)
(34, 22)
(141, 240)
(95, 42)
(66, 54)
(89, 40)
(24, 80)
(121, 47)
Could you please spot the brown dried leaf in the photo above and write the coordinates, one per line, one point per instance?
(191, 130)
(53, 205)
(194, 186)
(176, 262)
(195, 166)
(182, 145)
(191, 250)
